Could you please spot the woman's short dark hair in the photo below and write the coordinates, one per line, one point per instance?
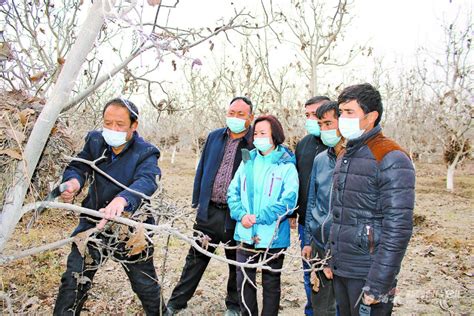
(132, 108)
(367, 97)
(278, 135)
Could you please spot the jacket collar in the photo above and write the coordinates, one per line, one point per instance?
(248, 136)
(281, 154)
(358, 142)
(316, 138)
(331, 152)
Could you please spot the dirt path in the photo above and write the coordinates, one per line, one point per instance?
(436, 276)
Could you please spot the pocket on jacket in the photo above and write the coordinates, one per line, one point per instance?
(274, 185)
(243, 234)
(265, 234)
(362, 240)
(368, 237)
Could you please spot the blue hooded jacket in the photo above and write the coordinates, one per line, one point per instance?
(266, 186)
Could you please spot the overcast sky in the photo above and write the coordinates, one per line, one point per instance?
(395, 28)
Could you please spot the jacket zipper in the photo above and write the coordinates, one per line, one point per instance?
(329, 213)
(370, 237)
(271, 185)
(254, 210)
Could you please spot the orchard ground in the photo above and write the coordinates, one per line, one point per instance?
(436, 276)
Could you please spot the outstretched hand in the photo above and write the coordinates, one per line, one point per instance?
(113, 209)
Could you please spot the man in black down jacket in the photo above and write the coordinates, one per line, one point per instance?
(372, 204)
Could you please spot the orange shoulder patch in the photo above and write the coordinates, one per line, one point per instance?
(381, 145)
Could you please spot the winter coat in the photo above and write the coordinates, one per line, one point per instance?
(136, 167)
(266, 186)
(209, 164)
(318, 215)
(372, 204)
(306, 150)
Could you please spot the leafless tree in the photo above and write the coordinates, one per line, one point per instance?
(40, 34)
(449, 83)
(317, 27)
(59, 99)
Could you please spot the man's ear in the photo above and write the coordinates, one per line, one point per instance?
(249, 122)
(134, 126)
(372, 117)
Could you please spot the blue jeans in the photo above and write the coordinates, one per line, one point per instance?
(308, 308)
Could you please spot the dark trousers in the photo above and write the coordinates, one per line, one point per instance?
(196, 262)
(77, 280)
(270, 282)
(348, 296)
(323, 301)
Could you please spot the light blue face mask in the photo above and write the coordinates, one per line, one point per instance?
(350, 127)
(330, 138)
(312, 127)
(235, 125)
(114, 138)
(262, 144)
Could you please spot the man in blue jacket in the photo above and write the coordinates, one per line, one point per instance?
(123, 155)
(318, 215)
(372, 205)
(219, 161)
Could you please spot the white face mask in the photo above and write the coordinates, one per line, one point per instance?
(350, 127)
(114, 138)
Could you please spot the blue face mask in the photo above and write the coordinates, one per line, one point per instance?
(330, 138)
(114, 138)
(312, 127)
(350, 127)
(262, 144)
(235, 125)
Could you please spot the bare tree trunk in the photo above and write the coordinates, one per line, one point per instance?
(15, 196)
(173, 155)
(314, 80)
(450, 177)
(451, 169)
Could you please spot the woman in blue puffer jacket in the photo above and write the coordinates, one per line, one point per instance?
(262, 193)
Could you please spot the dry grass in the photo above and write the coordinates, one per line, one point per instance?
(436, 277)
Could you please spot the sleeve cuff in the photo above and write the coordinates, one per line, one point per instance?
(131, 206)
